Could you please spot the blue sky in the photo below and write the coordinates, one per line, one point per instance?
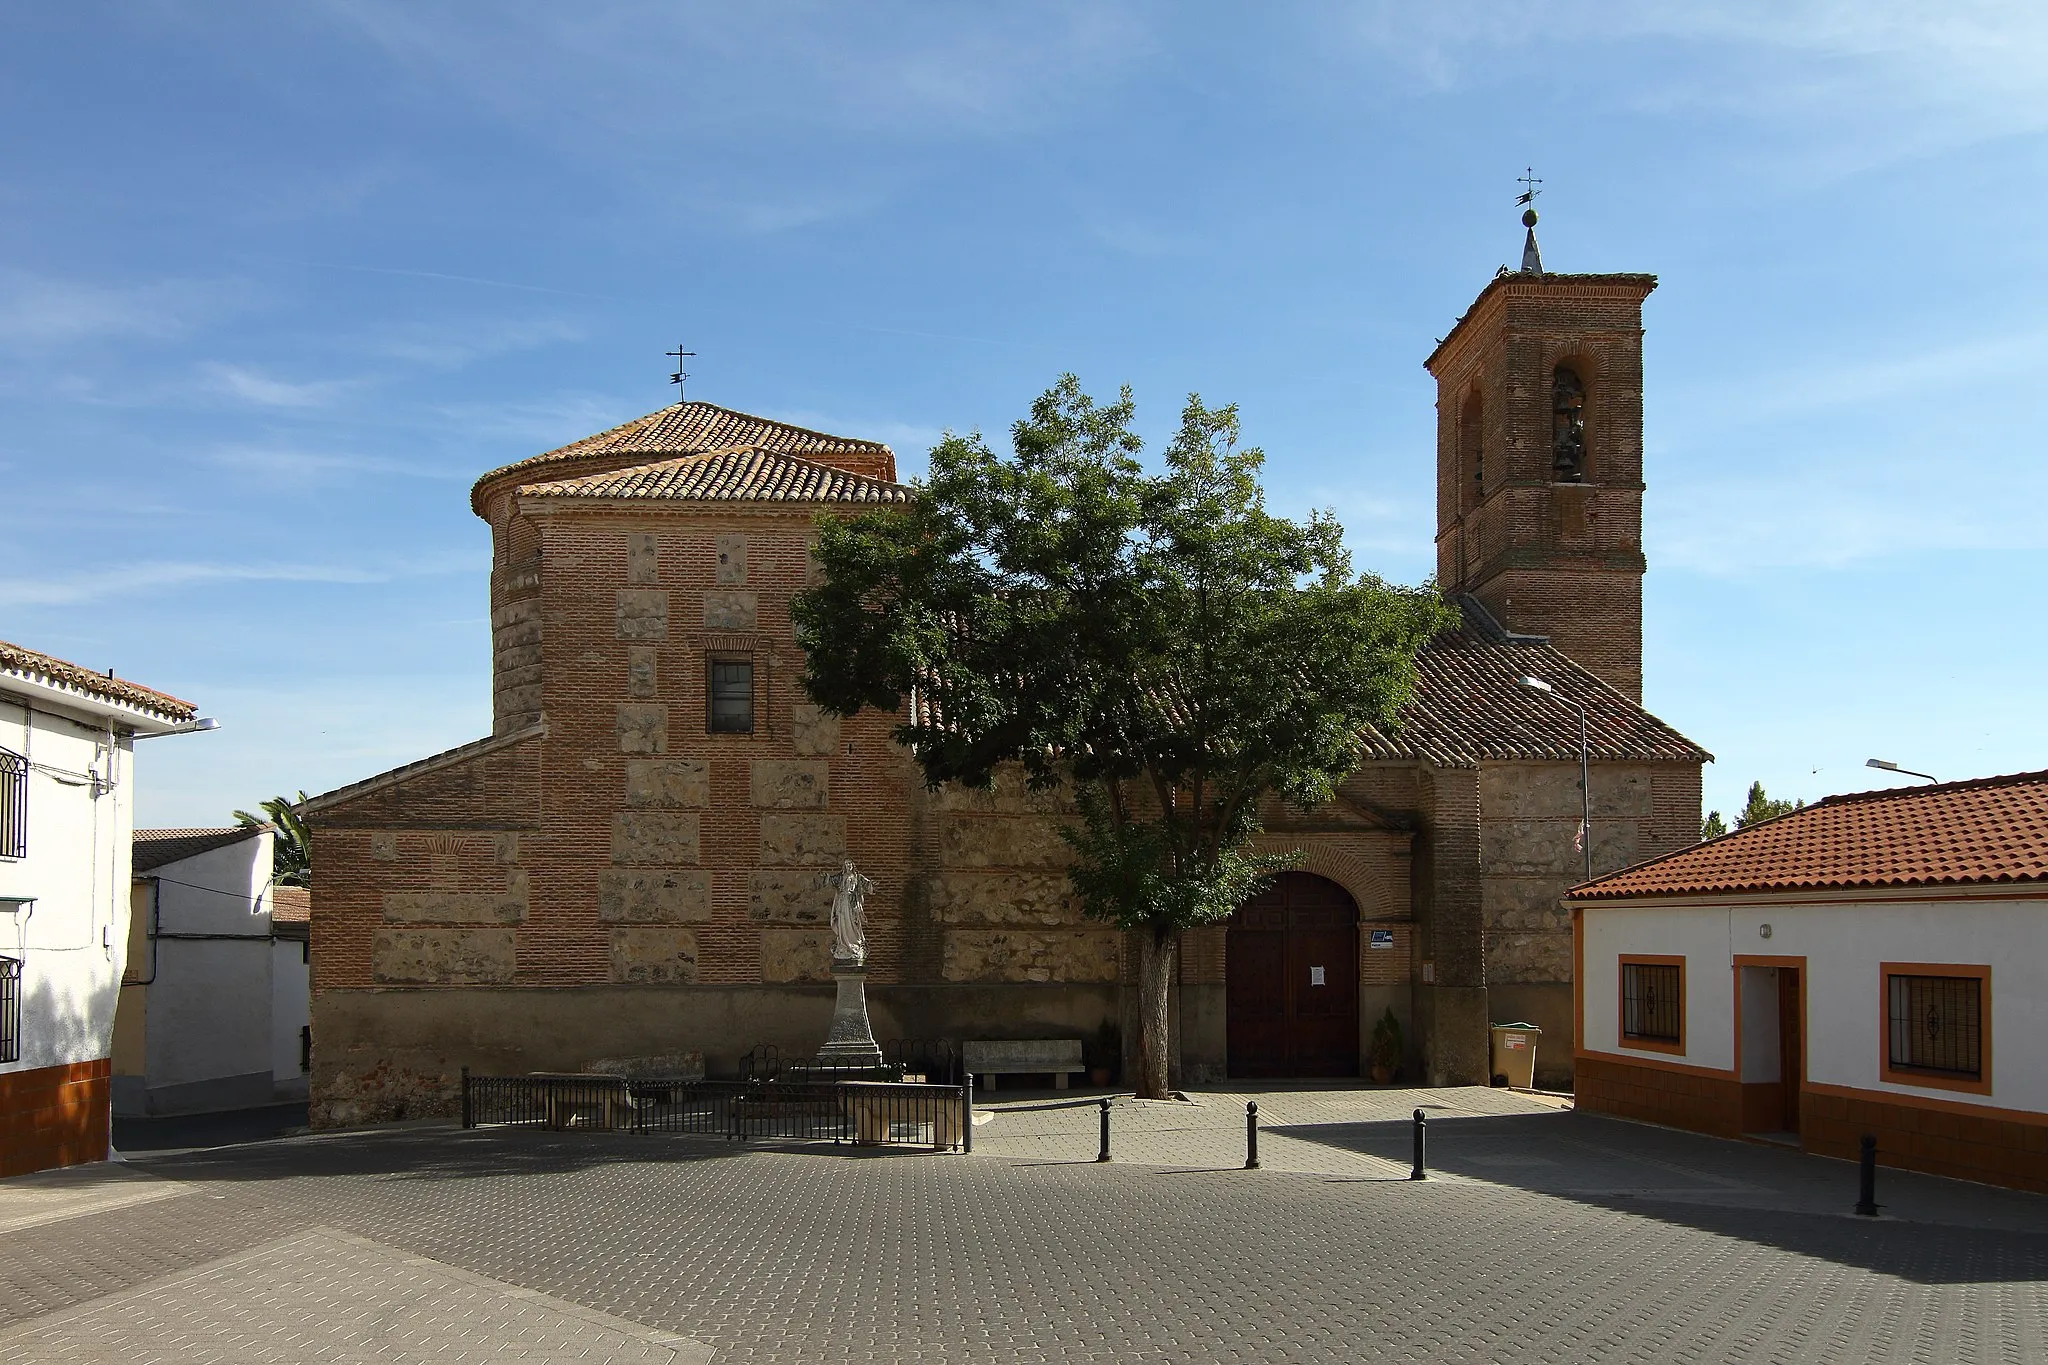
(277, 282)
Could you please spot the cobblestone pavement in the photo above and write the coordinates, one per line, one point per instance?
(1548, 1236)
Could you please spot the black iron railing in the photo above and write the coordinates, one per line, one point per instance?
(13, 805)
(936, 1060)
(10, 1009)
(859, 1111)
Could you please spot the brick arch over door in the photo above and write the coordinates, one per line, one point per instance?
(1291, 980)
(1361, 877)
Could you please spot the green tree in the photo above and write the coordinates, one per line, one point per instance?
(1762, 807)
(291, 852)
(1158, 642)
(1713, 827)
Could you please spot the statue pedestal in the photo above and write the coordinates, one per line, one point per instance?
(850, 1041)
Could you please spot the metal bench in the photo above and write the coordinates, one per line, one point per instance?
(1059, 1057)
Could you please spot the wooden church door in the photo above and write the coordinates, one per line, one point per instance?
(1291, 968)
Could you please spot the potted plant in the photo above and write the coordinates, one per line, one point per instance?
(1109, 1050)
(1383, 1058)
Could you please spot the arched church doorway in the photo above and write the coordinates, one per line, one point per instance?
(1291, 973)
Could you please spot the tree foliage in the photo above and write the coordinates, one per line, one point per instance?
(291, 851)
(1159, 641)
(1762, 807)
(1713, 827)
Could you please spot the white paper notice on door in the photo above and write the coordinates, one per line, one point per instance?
(1315, 976)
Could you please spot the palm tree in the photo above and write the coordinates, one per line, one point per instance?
(291, 853)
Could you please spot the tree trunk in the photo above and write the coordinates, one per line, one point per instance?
(1158, 956)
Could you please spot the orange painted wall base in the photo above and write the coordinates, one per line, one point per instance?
(2003, 1147)
(1941, 1137)
(1678, 1097)
(55, 1116)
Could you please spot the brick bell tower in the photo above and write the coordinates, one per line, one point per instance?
(1539, 460)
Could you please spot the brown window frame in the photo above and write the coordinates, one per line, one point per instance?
(1905, 1073)
(1643, 1041)
(712, 663)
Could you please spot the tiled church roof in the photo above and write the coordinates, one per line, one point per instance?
(743, 474)
(1470, 706)
(692, 429)
(1990, 831)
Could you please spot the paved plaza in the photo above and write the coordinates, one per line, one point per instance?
(1543, 1235)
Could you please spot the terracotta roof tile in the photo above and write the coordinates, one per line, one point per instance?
(156, 848)
(45, 667)
(693, 429)
(1470, 707)
(742, 474)
(1988, 831)
(291, 905)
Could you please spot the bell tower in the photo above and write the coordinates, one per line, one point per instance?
(1539, 460)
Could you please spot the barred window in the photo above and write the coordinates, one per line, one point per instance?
(1936, 1024)
(13, 805)
(1652, 1001)
(731, 702)
(10, 1009)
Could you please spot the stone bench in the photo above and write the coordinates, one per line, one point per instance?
(604, 1101)
(1024, 1057)
(876, 1108)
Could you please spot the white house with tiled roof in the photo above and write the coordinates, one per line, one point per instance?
(215, 998)
(67, 791)
(1874, 964)
(630, 864)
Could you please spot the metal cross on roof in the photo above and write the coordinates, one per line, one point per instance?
(680, 355)
(1528, 180)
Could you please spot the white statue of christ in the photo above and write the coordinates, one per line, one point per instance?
(849, 902)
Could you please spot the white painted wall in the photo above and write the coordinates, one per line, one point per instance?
(209, 1005)
(1701, 937)
(291, 1009)
(73, 938)
(1845, 945)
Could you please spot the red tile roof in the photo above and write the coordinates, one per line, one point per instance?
(48, 668)
(1470, 707)
(742, 474)
(1986, 832)
(291, 905)
(156, 848)
(692, 429)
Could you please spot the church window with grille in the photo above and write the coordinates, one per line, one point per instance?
(1567, 425)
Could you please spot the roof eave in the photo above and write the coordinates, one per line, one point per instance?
(146, 720)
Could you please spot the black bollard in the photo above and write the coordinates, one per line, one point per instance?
(1251, 1135)
(967, 1119)
(1866, 1185)
(1103, 1155)
(1419, 1173)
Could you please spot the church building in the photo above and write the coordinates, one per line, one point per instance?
(633, 862)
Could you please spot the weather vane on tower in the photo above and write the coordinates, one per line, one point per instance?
(1532, 258)
(681, 356)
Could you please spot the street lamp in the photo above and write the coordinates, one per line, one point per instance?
(190, 727)
(1887, 765)
(1535, 684)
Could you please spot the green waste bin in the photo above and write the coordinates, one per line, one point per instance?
(1514, 1055)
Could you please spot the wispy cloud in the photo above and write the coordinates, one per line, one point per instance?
(281, 465)
(250, 385)
(1884, 77)
(42, 310)
(155, 577)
